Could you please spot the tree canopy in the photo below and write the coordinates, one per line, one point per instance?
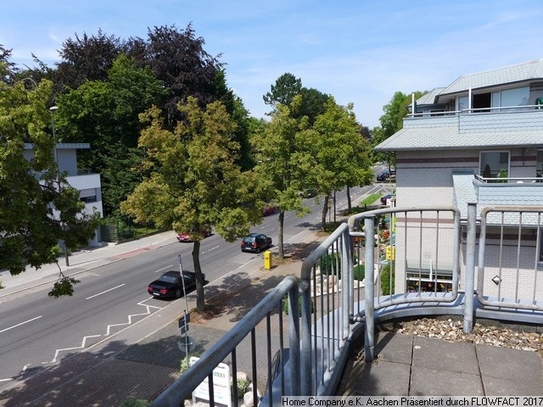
(343, 156)
(39, 208)
(284, 164)
(105, 114)
(392, 121)
(194, 180)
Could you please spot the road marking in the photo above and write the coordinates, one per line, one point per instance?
(82, 346)
(213, 248)
(22, 323)
(103, 292)
(243, 265)
(164, 268)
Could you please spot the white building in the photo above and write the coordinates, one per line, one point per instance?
(478, 140)
(88, 185)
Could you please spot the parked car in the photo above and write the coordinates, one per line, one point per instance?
(170, 284)
(308, 193)
(385, 198)
(384, 175)
(255, 242)
(187, 236)
(269, 209)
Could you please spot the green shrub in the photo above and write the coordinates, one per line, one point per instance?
(285, 306)
(359, 272)
(387, 279)
(243, 385)
(185, 364)
(331, 264)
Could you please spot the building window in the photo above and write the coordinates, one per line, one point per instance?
(539, 164)
(427, 280)
(515, 97)
(88, 195)
(491, 163)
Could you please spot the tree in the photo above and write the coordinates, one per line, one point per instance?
(179, 60)
(313, 104)
(286, 87)
(343, 155)
(105, 114)
(284, 164)
(194, 181)
(87, 58)
(392, 121)
(39, 208)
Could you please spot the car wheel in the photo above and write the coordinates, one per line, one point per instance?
(258, 249)
(178, 293)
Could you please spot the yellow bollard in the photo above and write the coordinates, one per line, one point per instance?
(268, 259)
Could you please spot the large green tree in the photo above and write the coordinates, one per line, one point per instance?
(287, 86)
(392, 121)
(195, 181)
(343, 155)
(37, 206)
(105, 114)
(284, 163)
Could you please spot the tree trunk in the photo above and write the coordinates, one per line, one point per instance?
(281, 218)
(200, 300)
(349, 204)
(325, 211)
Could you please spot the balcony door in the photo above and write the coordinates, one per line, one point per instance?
(492, 163)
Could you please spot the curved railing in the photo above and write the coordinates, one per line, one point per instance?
(381, 265)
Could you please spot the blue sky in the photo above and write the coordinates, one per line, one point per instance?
(359, 51)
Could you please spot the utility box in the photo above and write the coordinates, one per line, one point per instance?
(268, 259)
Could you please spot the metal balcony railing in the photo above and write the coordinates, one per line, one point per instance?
(381, 265)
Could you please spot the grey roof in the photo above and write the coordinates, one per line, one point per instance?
(464, 192)
(516, 73)
(429, 98)
(431, 138)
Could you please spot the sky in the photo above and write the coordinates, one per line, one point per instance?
(358, 51)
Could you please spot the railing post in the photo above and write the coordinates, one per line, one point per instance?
(347, 282)
(294, 339)
(369, 289)
(470, 267)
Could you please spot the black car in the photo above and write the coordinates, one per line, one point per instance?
(384, 176)
(170, 284)
(255, 242)
(385, 198)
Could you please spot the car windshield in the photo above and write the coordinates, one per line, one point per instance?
(167, 279)
(249, 239)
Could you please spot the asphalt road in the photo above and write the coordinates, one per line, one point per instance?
(36, 330)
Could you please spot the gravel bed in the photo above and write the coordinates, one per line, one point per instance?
(528, 338)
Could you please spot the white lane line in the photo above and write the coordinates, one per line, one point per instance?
(243, 265)
(164, 268)
(103, 292)
(22, 323)
(210, 250)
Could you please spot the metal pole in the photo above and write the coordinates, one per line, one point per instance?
(470, 267)
(186, 308)
(369, 340)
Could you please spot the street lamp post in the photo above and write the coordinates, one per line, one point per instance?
(53, 109)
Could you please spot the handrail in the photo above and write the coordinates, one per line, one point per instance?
(191, 379)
